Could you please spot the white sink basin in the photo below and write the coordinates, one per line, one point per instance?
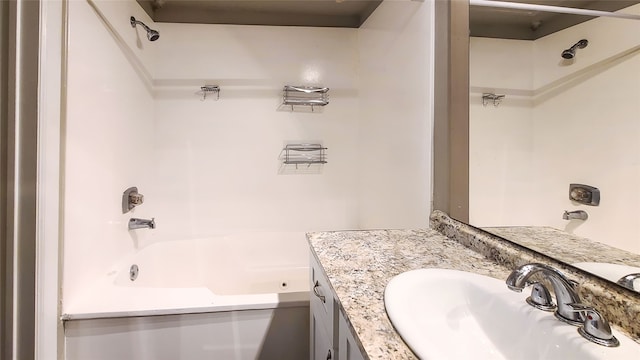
(448, 314)
(612, 272)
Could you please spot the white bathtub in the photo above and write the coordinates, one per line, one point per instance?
(244, 296)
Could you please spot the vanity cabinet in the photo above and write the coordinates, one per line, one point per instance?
(347, 346)
(324, 315)
(330, 335)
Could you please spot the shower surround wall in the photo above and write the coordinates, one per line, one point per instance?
(109, 144)
(573, 123)
(217, 167)
(211, 167)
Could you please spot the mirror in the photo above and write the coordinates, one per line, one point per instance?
(555, 101)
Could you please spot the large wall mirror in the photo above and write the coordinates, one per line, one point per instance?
(554, 100)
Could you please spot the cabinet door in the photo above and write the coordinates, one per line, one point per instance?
(322, 297)
(321, 346)
(347, 345)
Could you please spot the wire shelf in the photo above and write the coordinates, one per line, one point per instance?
(305, 96)
(307, 154)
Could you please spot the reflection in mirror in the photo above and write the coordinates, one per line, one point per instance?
(560, 120)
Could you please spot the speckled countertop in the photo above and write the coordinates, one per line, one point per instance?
(359, 264)
(566, 247)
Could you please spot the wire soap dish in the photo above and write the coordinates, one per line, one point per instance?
(210, 89)
(296, 154)
(305, 96)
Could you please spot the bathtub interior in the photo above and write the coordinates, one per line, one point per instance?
(250, 263)
(222, 273)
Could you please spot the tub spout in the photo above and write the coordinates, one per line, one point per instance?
(135, 223)
(578, 214)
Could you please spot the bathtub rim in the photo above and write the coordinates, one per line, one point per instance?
(283, 300)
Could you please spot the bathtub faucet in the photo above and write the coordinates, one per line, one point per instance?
(135, 223)
(578, 215)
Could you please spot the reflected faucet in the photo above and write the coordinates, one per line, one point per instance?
(564, 289)
(627, 281)
(135, 223)
(578, 215)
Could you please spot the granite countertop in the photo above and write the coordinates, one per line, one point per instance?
(566, 247)
(359, 264)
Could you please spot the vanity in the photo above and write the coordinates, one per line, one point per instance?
(350, 270)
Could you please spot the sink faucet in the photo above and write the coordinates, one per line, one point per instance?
(135, 223)
(564, 289)
(627, 280)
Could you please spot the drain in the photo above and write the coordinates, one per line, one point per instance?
(283, 285)
(133, 272)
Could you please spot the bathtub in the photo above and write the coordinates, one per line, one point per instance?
(244, 296)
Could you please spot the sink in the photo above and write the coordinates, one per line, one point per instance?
(612, 272)
(449, 314)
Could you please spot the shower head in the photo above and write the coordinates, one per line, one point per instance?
(570, 53)
(152, 35)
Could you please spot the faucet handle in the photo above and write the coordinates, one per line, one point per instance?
(540, 297)
(595, 328)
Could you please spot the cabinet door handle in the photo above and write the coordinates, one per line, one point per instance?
(315, 291)
(329, 355)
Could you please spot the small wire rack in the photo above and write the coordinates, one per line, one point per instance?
(306, 154)
(305, 96)
(493, 98)
(207, 90)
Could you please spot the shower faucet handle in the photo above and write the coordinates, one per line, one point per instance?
(136, 198)
(584, 194)
(130, 199)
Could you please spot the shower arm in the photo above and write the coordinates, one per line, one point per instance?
(580, 44)
(135, 22)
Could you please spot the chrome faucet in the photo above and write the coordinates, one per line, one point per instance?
(627, 280)
(564, 289)
(577, 215)
(135, 223)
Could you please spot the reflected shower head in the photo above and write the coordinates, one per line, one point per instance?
(152, 35)
(570, 53)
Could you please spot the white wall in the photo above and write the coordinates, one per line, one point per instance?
(583, 129)
(109, 143)
(217, 167)
(500, 137)
(587, 129)
(396, 121)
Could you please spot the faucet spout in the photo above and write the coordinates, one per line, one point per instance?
(577, 215)
(628, 280)
(135, 223)
(563, 288)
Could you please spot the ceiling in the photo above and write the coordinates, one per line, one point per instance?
(531, 25)
(484, 21)
(319, 13)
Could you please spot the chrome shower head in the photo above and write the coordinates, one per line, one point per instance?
(152, 35)
(570, 53)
